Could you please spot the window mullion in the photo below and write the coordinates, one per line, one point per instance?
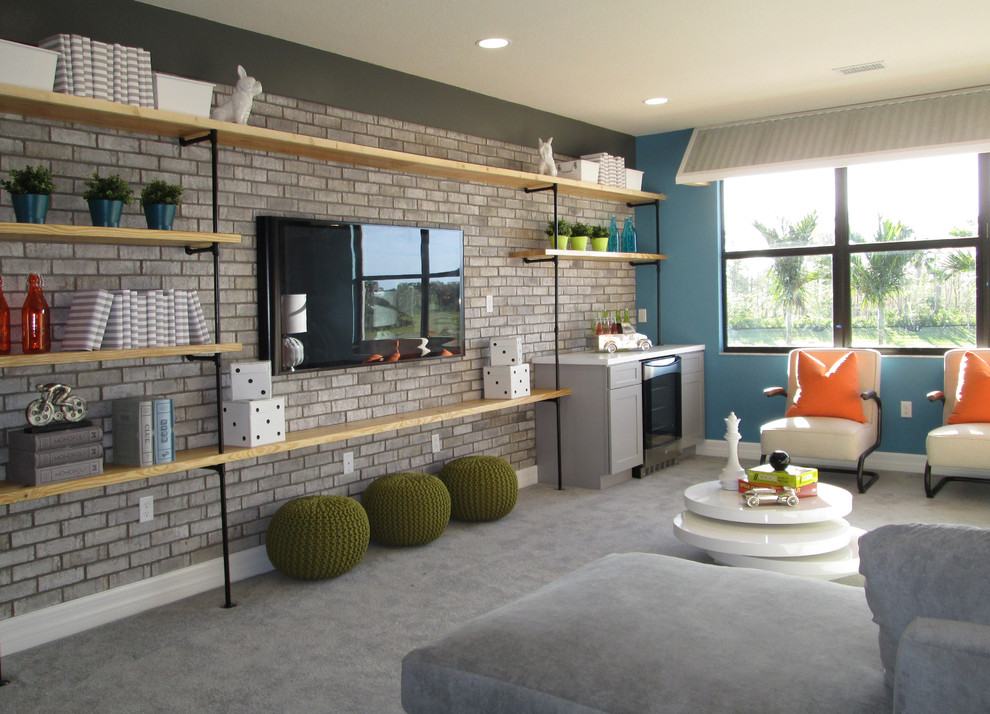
(841, 291)
(983, 255)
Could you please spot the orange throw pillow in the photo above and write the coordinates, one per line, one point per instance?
(972, 391)
(832, 393)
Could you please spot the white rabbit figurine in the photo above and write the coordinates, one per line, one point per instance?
(547, 165)
(237, 108)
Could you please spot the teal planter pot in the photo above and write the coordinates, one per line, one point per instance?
(30, 207)
(105, 213)
(160, 216)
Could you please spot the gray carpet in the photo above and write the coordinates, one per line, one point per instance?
(336, 645)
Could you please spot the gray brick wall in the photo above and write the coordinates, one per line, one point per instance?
(60, 548)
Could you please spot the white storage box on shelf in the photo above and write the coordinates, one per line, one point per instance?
(254, 422)
(507, 382)
(181, 94)
(634, 179)
(579, 170)
(250, 380)
(505, 351)
(27, 66)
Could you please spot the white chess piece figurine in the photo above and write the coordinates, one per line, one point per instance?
(729, 478)
(547, 165)
(237, 108)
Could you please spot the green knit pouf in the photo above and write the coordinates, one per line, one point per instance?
(317, 537)
(482, 488)
(406, 508)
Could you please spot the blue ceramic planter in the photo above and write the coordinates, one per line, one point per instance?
(30, 207)
(160, 216)
(105, 213)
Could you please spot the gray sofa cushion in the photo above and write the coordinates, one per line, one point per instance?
(643, 633)
(924, 571)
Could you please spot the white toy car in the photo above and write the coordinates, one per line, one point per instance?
(628, 340)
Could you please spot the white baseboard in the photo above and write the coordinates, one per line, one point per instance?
(878, 460)
(52, 623)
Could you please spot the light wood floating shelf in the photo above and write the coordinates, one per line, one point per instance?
(207, 456)
(73, 357)
(48, 233)
(599, 255)
(111, 115)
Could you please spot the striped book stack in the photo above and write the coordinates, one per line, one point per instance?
(134, 319)
(90, 68)
(611, 169)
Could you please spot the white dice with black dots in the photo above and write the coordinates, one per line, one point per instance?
(505, 351)
(254, 422)
(250, 380)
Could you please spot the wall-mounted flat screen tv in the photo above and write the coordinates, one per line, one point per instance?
(333, 294)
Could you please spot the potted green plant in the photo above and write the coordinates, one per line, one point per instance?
(107, 196)
(563, 233)
(30, 191)
(580, 232)
(599, 238)
(159, 200)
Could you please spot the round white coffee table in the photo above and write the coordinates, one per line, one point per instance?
(812, 539)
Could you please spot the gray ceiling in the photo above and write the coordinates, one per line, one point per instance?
(596, 61)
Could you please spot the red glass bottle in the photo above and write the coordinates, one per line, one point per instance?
(4, 323)
(36, 330)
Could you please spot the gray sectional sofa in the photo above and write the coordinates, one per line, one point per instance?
(640, 633)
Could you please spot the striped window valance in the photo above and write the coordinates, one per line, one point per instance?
(949, 122)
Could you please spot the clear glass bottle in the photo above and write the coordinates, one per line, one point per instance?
(4, 323)
(616, 325)
(36, 330)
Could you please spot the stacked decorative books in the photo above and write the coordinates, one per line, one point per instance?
(802, 479)
(134, 319)
(611, 169)
(89, 68)
(40, 455)
(143, 431)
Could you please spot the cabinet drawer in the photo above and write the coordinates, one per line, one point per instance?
(625, 374)
(692, 362)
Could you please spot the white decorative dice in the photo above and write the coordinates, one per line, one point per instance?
(505, 351)
(254, 422)
(506, 381)
(250, 380)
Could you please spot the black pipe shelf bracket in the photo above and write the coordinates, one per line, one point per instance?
(656, 263)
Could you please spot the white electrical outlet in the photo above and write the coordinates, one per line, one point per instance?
(436, 443)
(489, 303)
(146, 509)
(348, 462)
(906, 409)
(642, 315)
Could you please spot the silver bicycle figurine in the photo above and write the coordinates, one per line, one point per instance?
(56, 405)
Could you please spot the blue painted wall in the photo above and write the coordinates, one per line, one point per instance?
(690, 298)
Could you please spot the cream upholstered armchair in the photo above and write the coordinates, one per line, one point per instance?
(963, 441)
(833, 410)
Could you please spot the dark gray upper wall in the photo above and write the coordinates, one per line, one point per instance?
(191, 47)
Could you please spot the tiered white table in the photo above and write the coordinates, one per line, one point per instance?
(812, 539)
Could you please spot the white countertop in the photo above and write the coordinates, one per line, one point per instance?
(604, 358)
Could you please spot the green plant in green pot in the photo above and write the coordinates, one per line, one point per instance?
(599, 238)
(563, 233)
(107, 196)
(159, 200)
(580, 232)
(30, 191)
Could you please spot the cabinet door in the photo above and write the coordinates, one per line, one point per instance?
(692, 398)
(625, 414)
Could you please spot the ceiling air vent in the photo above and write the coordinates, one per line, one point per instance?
(865, 67)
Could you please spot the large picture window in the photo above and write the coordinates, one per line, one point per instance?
(888, 255)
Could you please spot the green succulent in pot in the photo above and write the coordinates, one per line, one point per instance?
(107, 196)
(30, 191)
(563, 233)
(159, 199)
(599, 238)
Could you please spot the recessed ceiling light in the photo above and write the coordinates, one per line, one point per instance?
(656, 100)
(492, 43)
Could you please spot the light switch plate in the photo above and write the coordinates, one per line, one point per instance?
(348, 462)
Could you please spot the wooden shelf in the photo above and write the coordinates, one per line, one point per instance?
(98, 112)
(207, 456)
(599, 255)
(73, 357)
(47, 233)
